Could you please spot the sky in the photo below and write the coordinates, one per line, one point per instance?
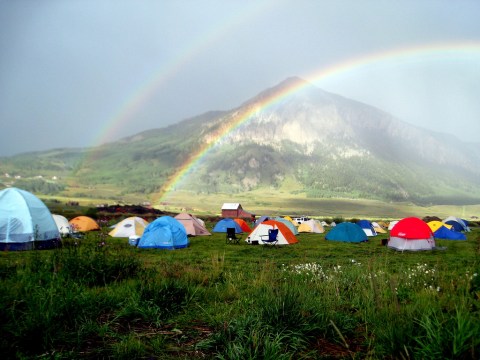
(80, 73)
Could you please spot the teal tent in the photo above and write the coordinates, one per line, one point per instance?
(25, 222)
(164, 233)
(288, 223)
(347, 232)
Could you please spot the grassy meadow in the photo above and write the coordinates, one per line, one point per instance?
(99, 297)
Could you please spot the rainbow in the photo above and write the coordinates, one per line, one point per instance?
(160, 77)
(394, 57)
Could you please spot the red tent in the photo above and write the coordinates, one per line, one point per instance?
(411, 234)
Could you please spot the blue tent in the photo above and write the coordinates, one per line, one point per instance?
(457, 223)
(164, 233)
(444, 233)
(223, 224)
(25, 222)
(347, 232)
(367, 227)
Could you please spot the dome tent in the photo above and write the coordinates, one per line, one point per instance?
(25, 222)
(411, 234)
(260, 233)
(83, 224)
(164, 233)
(131, 227)
(222, 225)
(63, 225)
(311, 226)
(347, 232)
(457, 223)
(367, 227)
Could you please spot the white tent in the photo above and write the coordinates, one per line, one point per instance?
(260, 233)
(131, 227)
(64, 227)
(392, 224)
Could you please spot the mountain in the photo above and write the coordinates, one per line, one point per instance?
(310, 141)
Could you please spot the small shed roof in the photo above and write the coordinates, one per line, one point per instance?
(230, 206)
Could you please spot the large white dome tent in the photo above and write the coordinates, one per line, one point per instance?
(25, 222)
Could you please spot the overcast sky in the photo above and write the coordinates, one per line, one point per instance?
(80, 72)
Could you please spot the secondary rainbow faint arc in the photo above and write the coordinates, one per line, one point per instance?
(417, 53)
(147, 88)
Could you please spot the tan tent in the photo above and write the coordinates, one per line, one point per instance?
(192, 225)
(311, 226)
(378, 228)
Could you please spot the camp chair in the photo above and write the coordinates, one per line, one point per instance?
(231, 237)
(271, 239)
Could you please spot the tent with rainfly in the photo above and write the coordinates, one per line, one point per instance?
(411, 234)
(25, 222)
(193, 225)
(285, 236)
(347, 232)
(131, 227)
(164, 233)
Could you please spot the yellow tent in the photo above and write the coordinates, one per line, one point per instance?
(434, 225)
(291, 220)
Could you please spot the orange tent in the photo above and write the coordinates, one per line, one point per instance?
(84, 223)
(243, 225)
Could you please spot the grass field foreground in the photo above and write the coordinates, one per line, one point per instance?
(99, 297)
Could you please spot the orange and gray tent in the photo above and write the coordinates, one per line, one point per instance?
(83, 224)
(243, 224)
(131, 227)
(193, 226)
(260, 232)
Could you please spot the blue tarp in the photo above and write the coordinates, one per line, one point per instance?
(164, 233)
(347, 232)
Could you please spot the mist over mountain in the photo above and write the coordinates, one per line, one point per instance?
(310, 141)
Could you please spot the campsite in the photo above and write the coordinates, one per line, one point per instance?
(100, 296)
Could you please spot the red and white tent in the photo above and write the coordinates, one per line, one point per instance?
(411, 234)
(285, 235)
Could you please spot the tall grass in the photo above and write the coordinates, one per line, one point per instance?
(313, 300)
